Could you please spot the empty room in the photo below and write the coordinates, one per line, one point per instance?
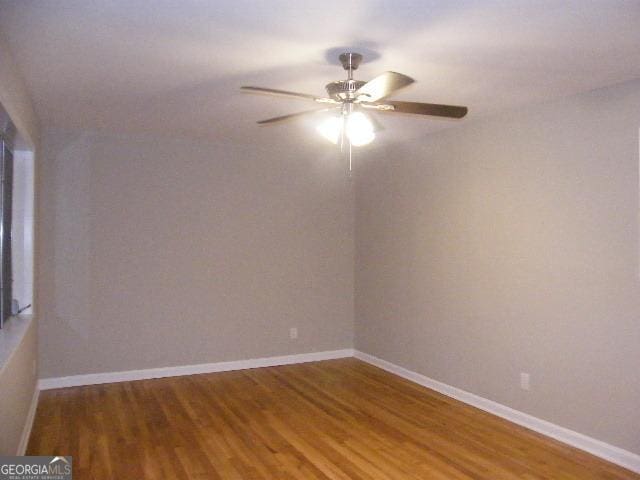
(368, 240)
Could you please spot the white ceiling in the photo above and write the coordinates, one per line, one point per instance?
(174, 66)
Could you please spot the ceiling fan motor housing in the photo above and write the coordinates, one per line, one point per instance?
(344, 89)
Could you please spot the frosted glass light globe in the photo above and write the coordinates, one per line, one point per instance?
(331, 128)
(359, 129)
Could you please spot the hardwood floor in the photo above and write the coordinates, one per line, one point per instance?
(339, 419)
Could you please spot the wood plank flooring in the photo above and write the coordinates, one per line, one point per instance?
(339, 419)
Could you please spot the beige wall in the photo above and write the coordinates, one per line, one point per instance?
(511, 245)
(159, 252)
(17, 377)
(15, 98)
(17, 385)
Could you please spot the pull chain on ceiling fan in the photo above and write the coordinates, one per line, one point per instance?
(349, 98)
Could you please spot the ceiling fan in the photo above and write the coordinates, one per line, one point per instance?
(350, 98)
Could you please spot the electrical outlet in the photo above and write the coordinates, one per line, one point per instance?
(293, 333)
(525, 381)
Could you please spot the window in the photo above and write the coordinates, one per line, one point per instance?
(6, 197)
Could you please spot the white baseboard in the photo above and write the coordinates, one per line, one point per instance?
(28, 423)
(600, 449)
(112, 377)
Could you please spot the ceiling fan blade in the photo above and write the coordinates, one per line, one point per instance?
(286, 93)
(291, 115)
(382, 86)
(433, 109)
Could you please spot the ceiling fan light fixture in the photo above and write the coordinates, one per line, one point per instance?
(358, 128)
